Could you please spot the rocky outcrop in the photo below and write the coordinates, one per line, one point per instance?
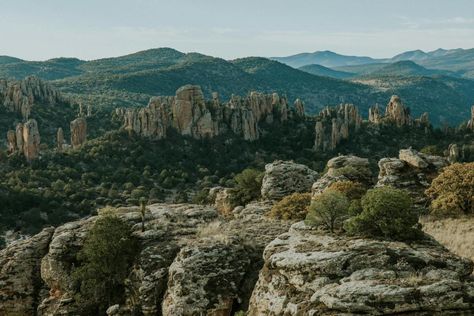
(11, 142)
(309, 273)
(191, 262)
(31, 140)
(19, 136)
(60, 140)
(335, 124)
(167, 229)
(283, 178)
(343, 168)
(194, 288)
(20, 96)
(25, 139)
(20, 281)
(78, 132)
(375, 115)
(470, 123)
(454, 153)
(396, 113)
(412, 171)
(190, 114)
(299, 108)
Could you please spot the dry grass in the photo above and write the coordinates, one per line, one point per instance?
(214, 230)
(456, 234)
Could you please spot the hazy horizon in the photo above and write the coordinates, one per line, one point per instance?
(90, 29)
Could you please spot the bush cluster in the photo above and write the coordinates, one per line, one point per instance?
(384, 212)
(247, 186)
(291, 207)
(452, 192)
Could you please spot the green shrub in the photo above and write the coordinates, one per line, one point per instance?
(202, 197)
(432, 150)
(294, 206)
(386, 212)
(328, 209)
(104, 262)
(452, 192)
(247, 188)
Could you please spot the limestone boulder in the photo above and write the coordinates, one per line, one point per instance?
(412, 171)
(205, 278)
(283, 178)
(20, 280)
(343, 168)
(307, 272)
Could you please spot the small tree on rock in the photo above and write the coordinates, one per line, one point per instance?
(104, 262)
(386, 212)
(247, 188)
(328, 209)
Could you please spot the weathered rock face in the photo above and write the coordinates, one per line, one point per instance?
(191, 262)
(309, 273)
(11, 142)
(20, 281)
(412, 171)
(208, 291)
(375, 115)
(21, 96)
(19, 136)
(31, 140)
(60, 139)
(335, 124)
(190, 114)
(397, 112)
(57, 265)
(283, 178)
(78, 132)
(470, 123)
(343, 168)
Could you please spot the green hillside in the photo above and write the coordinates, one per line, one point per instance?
(132, 79)
(407, 68)
(319, 70)
(447, 99)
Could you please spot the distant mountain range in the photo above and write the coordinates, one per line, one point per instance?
(133, 79)
(459, 61)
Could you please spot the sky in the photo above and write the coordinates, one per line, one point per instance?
(91, 29)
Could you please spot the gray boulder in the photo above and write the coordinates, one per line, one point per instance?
(283, 178)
